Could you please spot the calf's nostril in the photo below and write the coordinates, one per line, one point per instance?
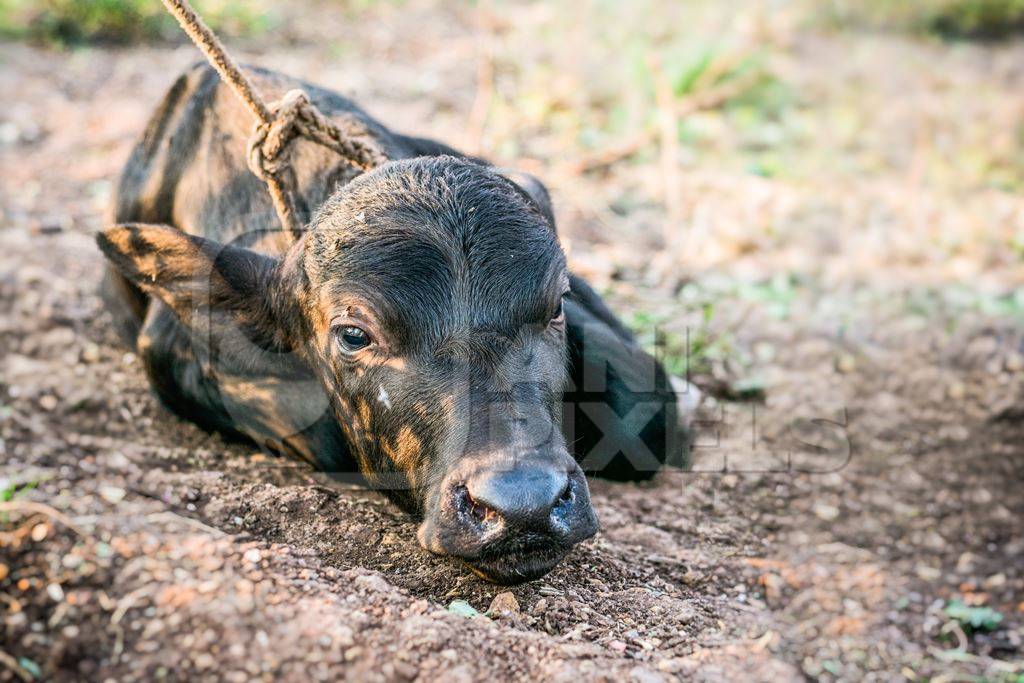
(480, 512)
(521, 498)
(567, 495)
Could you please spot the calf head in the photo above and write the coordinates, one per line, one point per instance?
(426, 299)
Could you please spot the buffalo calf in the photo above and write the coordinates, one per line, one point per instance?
(423, 332)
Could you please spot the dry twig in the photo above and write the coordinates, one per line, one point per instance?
(668, 134)
(481, 108)
(705, 100)
(42, 509)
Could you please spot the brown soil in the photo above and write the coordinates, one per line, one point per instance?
(164, 552)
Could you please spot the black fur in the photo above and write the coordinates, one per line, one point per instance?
(459, 265)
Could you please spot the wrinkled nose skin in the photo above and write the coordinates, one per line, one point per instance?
(511, 524)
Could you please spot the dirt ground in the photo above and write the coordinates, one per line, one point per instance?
(869, 289)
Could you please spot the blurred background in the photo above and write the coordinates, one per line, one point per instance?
(765, 151)
(811, 208)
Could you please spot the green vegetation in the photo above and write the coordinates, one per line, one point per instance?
(700, 352)
(637, 80)
(737, 83)
(74, 22)
(743, 76)
(692, 352)
(951, 18)
(953, 301)
(10, 488)
(709, 345)
(973, 619)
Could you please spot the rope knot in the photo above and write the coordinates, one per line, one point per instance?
(270, 139)
(294, 116)
(280, 123)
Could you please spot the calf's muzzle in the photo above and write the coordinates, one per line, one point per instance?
(514, 521)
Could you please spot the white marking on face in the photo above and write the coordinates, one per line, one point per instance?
(383, 397)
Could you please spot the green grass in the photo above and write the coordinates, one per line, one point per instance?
(10, 489)
(953, 301)
(949, 18)
(973, 619)
(684, 353)
(121, 22)
(756, 95)
(699, 352)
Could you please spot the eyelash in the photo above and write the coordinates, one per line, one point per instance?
(559, 315)
(352, 331)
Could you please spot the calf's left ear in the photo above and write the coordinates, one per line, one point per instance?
(533, 188)
(204, 282)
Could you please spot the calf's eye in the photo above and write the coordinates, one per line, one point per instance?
(559, 317)
(352, 338)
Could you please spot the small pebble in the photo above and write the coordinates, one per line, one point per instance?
(463, 608)
(91, 353)
(846, 364)
(504, 602)
(956, 391)
(965, 563)
(1014, 362)
(112, 494)
(405, 670)
(826, 512)
(995, 581)
(670, 666)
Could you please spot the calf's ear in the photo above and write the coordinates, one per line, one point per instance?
(533, 188)
(207, 284)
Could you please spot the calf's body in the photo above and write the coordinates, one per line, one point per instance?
(423, 333)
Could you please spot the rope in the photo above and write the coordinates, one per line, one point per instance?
(295, 116)
(277, 125)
